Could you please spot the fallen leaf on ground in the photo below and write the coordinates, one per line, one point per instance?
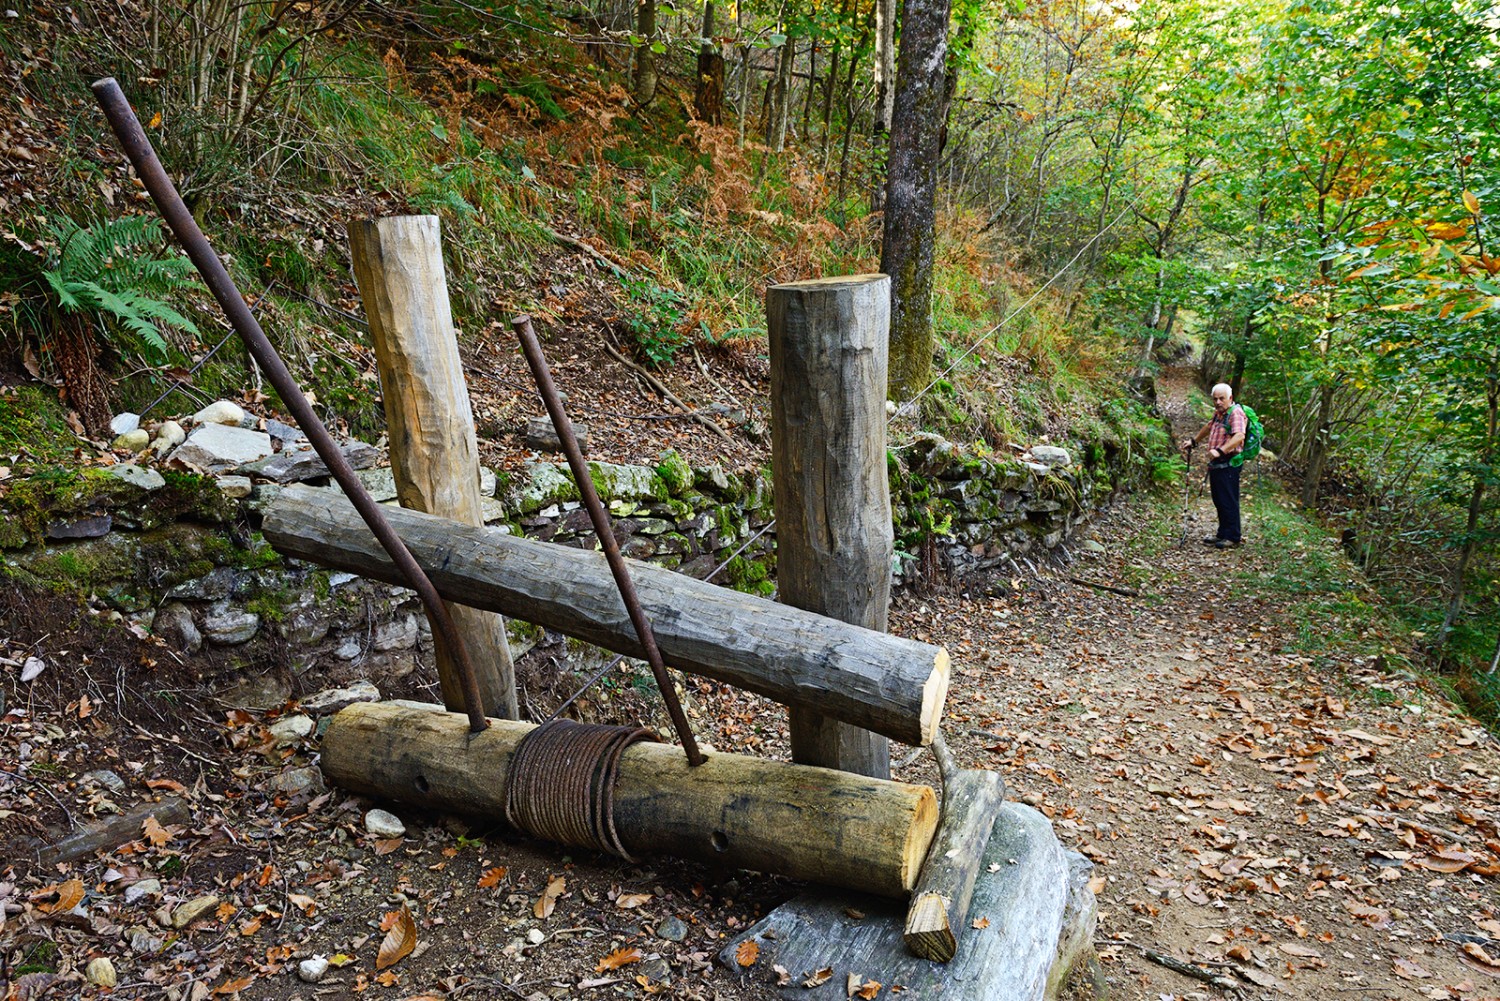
(819, 978)
(869, 990)
(1410, 971)
(618, 958)
(154, 832)
(66, 896)
(980, 923)
(492, 877)
(547, 902)
(399, 941)
(747, 952)
(625, 901)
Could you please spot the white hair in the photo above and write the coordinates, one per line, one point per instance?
(1225, 387)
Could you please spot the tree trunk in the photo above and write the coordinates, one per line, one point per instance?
(1476, 506)
(781, 96)
(1317, 448)
(885, 65)
(908, 239)
(645, 59)
(708, 100)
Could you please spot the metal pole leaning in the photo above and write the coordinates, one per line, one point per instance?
(544, 384)
(137, 147)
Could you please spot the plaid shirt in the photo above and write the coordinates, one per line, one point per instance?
(1226, 426)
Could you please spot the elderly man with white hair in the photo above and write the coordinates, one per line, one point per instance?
(1226, 436)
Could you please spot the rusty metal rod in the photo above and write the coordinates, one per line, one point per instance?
(169, 203)
(590, 497)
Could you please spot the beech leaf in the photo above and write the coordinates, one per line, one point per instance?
(547, 902)
(399, 941)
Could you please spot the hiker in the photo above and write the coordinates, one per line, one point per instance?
(1226, 436)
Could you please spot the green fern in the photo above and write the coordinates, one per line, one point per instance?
(112, 269)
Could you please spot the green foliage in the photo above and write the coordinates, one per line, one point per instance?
(33, 422)
(115, 270)
(654, 319)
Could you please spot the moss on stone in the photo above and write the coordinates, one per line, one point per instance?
(34, 421)
(676, 475)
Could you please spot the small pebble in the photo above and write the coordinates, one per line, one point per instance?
(384, 825)
(100, 972)
(313, 970)
(536, 936)
(672, 929)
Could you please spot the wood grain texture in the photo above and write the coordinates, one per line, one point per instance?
(398, 264)
(807, 823)
(939, 910)
(828, 459)
(889, 684)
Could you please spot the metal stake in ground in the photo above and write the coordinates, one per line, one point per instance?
(169, 203)
(548, 390)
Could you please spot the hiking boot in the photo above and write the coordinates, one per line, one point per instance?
(1211, 540)
(1226, 543)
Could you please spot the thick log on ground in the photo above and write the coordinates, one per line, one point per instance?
(939, 910)
(808, 823)
(884, 683)
(828, 460)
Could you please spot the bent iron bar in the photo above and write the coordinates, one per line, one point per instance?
(548, 390)
(169, 203)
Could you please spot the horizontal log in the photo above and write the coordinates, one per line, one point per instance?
(804, 822)
(871, 679)
(113, 832)
(940, 901)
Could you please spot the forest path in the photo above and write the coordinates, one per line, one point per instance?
(1260, 795)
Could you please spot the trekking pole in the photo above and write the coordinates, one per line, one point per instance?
(1187, 489)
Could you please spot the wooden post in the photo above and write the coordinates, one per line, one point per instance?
(398, 263)
(833, 509)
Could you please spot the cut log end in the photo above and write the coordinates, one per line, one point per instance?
(927, 931)
(934, 696)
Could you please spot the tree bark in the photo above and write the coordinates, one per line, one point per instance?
(1317, 448)
(939, 910)
(398, 265)
(1476, 507)
(884, 683)
(907, 245)
(828, 457)
(806, 823)
(708, 99)
(645, 59)
(885, 65)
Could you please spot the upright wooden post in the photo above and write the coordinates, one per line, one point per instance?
(398, 263)
(833, 508)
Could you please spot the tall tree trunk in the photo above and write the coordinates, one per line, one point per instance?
(781, 96)
(1238, 375)
(908, 239)
(1476, 506)
(708, 100)
(1317, 447)
(645, 59)
(885, 65)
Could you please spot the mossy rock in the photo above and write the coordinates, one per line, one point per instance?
(34, 421)
(545, 484)
(58, 494)
(676, 475)
(627, 482)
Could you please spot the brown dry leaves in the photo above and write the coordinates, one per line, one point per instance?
(59, 898)
(618, 958)
(547, 902)
(747, 953)
(400, 938)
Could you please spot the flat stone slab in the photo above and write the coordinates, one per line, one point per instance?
(1039, 910)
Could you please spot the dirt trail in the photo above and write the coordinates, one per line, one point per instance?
(1324, 827)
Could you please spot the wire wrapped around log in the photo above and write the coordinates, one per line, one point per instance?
(561, 785)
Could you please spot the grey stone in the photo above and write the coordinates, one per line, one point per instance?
(1040, 468)
(536, 936)
(138, 476)
(200, 907)
(266, 690)
(384, 825)
(220, 412)
(230, 627)
(304, 627)
(124, 423)
(487, 481)
(169, 434)
(220, 448)
(285, 433)
(312, 971)
(544, 484)
(628, 482)
(714, 477)
(398, 634)
(1031, 899)
(107, 779)
(236, 487)
(175, 625)
(142, 941)
(331, 700)
(295, 781)
(94, 526)
(215, 585)
(1091, 546)
(1051, 455)
(380, 482)
(657, 970)
(304, 464)
(653, 526)
(672, 929)
(142, 888)
(491, 510)
(349, 649)
(542, 436)
(290, 729)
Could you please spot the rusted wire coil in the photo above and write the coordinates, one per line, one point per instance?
(561, 785)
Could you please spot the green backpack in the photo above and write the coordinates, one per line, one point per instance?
(1255, 436)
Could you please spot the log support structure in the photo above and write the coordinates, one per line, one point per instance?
(808, 823)
(398, 265)
(939, 909)
(828, 460)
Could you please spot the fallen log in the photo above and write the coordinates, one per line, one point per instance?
(884, 683)
(807, 823)
(939, 909)
(115, 831)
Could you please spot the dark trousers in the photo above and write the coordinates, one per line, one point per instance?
(1224, 486)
